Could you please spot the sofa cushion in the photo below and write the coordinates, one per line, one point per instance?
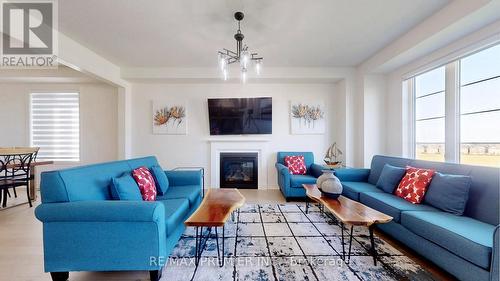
(352, 189)
(390, 178)
(125, 188)
(449, 192)
(146, 183)
(176, 211)
(414, 184)
(190, 192)
(161, 179)
(465, 237)
(391, 205)
(297, 180)
(296, 164)
(308, 157)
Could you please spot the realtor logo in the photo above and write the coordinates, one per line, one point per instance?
(28, 34)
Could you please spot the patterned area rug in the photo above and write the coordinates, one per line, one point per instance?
(282, 242)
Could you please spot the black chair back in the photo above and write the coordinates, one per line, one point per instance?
(15, 170)
(16, 161)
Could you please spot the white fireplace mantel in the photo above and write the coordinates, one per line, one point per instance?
(235, 145)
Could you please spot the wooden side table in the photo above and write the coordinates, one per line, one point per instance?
(214, 211)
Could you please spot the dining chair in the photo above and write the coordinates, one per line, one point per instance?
(32, 176)
(15, 170)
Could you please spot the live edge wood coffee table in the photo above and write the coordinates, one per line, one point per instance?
(214, 211)
(349, 212)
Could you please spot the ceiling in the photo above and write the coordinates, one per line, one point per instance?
(188, 33)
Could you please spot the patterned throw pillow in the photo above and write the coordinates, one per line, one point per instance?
(146, 183)
(414, 184)
(296, 164)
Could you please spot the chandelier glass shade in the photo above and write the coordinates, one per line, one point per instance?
(241, 55)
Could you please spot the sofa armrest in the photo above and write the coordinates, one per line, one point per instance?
(283, 176)
(282, 169)
(495, 256)
(352, 174)
(191, 177)
(101, 211)
(316, 170)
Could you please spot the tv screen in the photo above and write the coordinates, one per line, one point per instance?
(239, 116)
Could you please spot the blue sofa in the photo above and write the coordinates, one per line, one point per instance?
(466, 246)
(85, 230)
(291, 185)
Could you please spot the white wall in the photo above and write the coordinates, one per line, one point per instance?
(98, 118)
(374, 123)
(341, 119)
(193, 149)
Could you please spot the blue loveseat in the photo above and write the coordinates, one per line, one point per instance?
(466, 246)
(291, 185)
(84, 230)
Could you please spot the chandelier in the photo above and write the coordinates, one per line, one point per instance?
(241, 55)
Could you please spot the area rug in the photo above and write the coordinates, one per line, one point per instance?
(281, 242)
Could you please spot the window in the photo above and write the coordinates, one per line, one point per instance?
(457, 106)
(480, 108)
(55, 125)
(430, 115)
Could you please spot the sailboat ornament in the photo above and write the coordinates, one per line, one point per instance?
(333, 156)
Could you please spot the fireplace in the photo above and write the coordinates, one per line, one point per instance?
(239, 170)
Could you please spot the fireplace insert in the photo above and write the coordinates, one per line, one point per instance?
(239, 170)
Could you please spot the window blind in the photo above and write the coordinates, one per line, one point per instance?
(55, 126)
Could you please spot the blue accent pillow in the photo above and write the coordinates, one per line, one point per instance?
(125, 188)
(161, 180)
(449, 193)
(390, 178)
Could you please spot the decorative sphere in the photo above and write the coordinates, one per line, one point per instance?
(329, 184)
(239, 16)
(239, 36)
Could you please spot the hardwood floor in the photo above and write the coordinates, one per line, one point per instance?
(21, 247)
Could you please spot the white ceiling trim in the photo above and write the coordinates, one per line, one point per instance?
(487, 36)
(209, 74)
(454, 21)
(82, 59)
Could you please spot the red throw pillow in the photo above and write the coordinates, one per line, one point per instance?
(146, 183)
(414, 184)
(296, 164)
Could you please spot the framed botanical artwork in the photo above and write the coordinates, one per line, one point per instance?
(307, 117)
(169, 118)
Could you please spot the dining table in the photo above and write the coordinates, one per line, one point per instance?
(11, 151)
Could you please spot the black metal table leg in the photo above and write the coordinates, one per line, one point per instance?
(196, 247)
(217, 244)
(200, 244)
(342, 234)
(373, 249)
(307, 206)
(220, 257)
(350, 244)
(223, 238)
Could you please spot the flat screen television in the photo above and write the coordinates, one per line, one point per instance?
(240, 116)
